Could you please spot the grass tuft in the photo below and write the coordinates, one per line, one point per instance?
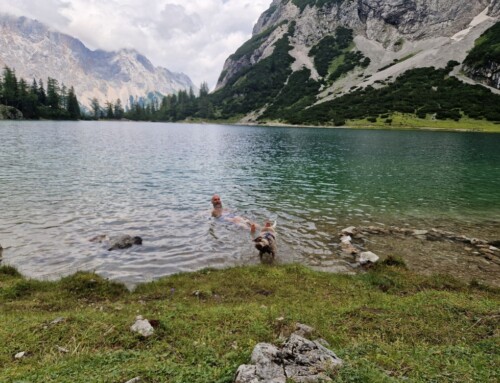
(92, 287)
(9, 271)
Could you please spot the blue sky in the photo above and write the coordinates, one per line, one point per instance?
(190, 36)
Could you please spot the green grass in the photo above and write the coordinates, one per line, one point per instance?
(388, 325)
(410, 121)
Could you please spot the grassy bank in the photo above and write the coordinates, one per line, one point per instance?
(388, 325)
(401, 121)
(407, 121)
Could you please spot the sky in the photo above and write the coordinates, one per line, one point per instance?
(190, 36)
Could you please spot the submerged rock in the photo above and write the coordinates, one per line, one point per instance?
(124, 242)
(119, 242)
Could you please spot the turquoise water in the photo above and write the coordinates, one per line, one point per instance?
(62, 183)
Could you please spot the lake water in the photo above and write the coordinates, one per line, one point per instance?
(62, 183)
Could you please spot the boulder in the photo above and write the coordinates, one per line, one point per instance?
(10, 113)
(119, 242)
(298, 360)
(124, 242)
(368, 257)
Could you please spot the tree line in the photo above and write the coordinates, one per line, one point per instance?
(57, 102)
(174, 107)
(35, 101)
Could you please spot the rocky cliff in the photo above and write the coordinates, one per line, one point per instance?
(389, 37)
(483, 61)
(35, 51)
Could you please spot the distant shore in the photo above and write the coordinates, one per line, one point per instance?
(399, 122)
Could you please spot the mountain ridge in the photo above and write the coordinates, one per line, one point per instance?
(390, 37)
(36, 51)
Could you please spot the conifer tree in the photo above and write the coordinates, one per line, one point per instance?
(73, 106)
(53, 97)
(118, 110)
(42, 96)
(10, 88)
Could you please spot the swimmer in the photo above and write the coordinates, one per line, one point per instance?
(219, 212)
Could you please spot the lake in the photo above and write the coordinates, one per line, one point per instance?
(62, 183)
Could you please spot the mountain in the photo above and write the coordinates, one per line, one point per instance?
(35, 51)
(313, 56)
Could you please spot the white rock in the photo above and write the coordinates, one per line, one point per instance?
(20, 355)
(346, 239)
(420, 232)
(135, 380)
(58, 320)
(367, 257)
(351, 230)
(142, 327)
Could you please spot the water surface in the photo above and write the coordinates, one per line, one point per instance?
(61, 183)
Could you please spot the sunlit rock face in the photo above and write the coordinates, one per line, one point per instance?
(36, 51)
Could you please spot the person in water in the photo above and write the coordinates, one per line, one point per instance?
(219, 212)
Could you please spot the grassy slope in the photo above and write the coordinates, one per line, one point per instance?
(409, 121)
(388, 325)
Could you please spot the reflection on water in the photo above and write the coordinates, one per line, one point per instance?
(63, 183)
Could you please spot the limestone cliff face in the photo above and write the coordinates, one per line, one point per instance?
(35, 51)
(488, 74)
(401, 34)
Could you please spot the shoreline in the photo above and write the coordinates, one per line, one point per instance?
(355, 125)
(366, 127)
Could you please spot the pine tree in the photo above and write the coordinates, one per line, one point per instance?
(53, 97)
(73, 106)
(42, 96)
(109, 111)
(119, 112)
(96, 108)
(10, 88)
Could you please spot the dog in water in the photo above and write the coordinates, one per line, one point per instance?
(118, 243)
(266, 243)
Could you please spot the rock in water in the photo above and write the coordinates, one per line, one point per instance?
(124, 242)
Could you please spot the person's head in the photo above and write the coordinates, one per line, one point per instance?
(216, 201)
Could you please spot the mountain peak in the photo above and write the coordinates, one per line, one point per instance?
(36, 51)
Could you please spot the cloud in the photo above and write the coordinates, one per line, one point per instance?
(190, 36)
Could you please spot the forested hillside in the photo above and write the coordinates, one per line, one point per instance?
(35, 101)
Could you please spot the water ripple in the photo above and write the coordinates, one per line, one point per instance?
(64, 183)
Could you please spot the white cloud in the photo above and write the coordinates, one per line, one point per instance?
(190, 36)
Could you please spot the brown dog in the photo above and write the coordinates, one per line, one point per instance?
(266, 243)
